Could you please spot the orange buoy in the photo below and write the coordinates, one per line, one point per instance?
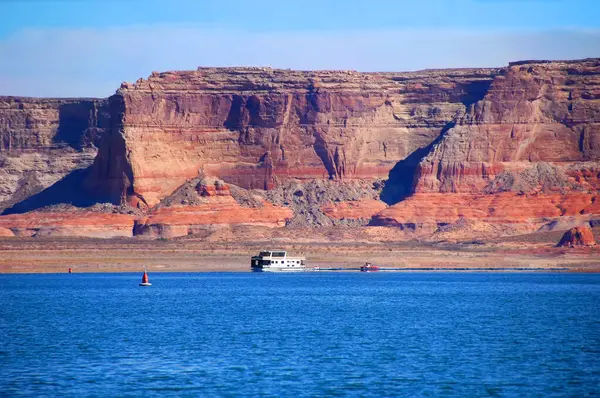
(145, 281)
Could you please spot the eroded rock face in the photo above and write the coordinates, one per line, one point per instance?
(532, 113)
(578, 236)
(218, 212)
(531, 145)
(433, 212)
(211, 208)
(76, 223)
(212, 187)
(435, 153)
(208, 205)
(43, 140)
(259, 127)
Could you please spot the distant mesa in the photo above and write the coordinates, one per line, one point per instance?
(447, 154)
(578, 236)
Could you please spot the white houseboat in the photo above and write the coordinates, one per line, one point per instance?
(277, 260)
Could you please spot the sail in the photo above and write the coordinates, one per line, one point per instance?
(145, 277)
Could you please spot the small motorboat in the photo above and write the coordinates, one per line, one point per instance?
(145, 281)
(368, 267)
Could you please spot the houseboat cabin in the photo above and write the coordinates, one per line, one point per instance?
(277, 260)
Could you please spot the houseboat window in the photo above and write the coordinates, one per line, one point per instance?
(264, 254)
(278, 254)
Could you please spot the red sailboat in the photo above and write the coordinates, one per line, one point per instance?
(145, 281)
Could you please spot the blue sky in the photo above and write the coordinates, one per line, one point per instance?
(87, 47)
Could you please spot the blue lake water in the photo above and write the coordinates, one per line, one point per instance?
(310, 334)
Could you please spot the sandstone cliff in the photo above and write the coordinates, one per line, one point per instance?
(527, 152)
(43, 140)
(259, 127)
(438, 154)
(578, 236)
(533, 112)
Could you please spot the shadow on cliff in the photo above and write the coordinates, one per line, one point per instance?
(72, 124)
(80, 124)
(68, 190)
(403, 176)
(475, 92)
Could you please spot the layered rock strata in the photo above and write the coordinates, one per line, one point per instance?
(260, 127)
(212, 207)
(521, 213)
(43, 140)
(75, 223)
(529, 149)
(439, 153)
(534, 112)
(578, 236)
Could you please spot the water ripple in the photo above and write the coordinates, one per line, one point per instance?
(321, 334)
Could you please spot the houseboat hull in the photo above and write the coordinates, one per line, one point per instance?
(278, 269)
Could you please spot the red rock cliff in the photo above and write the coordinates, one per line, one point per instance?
(257, 127)
(534, 136)
(533, 113)
(495, 151)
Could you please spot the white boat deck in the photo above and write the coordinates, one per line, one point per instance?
(277, 260)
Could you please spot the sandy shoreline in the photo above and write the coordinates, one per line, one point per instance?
(97, 255)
